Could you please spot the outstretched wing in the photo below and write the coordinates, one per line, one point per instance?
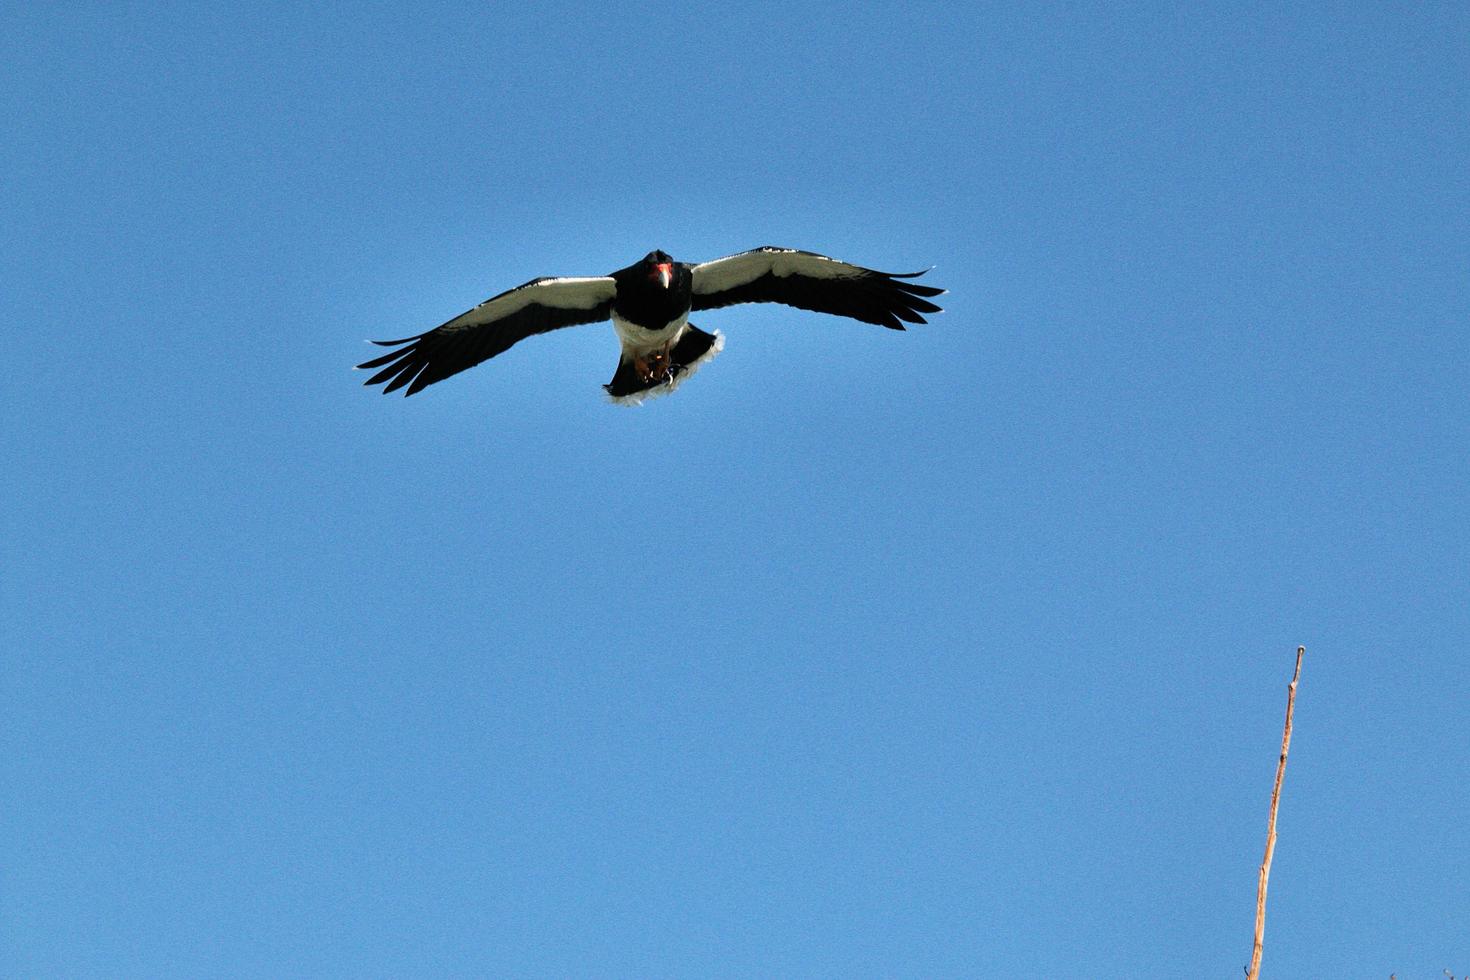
(491, 328)
(812, 282)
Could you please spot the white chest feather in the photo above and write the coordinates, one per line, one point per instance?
(637, 340)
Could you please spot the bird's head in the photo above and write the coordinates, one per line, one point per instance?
(660, 268)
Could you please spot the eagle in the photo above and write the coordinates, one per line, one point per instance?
(649, 303)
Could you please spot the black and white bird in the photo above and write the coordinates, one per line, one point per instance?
(649, 303)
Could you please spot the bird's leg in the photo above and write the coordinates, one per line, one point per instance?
(660, 364)
(655, 367)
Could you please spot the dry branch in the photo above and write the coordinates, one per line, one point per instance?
(1254, 972)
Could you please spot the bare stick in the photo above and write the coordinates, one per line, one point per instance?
(1254, 972)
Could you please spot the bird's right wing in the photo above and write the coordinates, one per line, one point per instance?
(491, 328)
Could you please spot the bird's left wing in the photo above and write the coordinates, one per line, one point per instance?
(813, 282)
(491, 328)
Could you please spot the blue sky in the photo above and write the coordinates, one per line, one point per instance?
(955, 652)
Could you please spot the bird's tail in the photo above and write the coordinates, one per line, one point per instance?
(640, 378)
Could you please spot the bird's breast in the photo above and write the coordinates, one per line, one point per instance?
(638, 338)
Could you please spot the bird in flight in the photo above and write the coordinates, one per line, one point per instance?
(649, 303)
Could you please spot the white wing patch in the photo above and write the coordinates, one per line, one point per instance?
(734, 271)
(563, 293)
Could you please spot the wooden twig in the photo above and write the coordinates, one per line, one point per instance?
(1254, 972)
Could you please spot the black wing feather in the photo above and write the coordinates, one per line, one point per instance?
(885, 298)
(461, 343)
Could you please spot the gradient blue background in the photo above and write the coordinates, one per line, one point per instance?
(957, 652)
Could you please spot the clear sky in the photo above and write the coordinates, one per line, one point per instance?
(960, 652)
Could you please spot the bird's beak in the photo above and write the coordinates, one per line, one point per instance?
(664, 273)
